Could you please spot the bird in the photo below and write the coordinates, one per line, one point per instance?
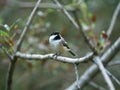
(58, 44)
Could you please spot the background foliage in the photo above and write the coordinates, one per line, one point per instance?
(49, 75)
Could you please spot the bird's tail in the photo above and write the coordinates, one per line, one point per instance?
(72, 53)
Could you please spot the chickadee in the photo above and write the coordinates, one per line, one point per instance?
(58, 43)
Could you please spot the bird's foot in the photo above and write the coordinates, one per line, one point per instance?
(56, 54)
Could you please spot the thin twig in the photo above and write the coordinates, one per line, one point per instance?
(6, 52)
(96, 86)
(67, 14)
(114, 18)
(117, 62)
(93, 70)
(21, 4)
(19, 43)
(76, 75)
(53, 57)
(87, 40)
(97, 60)
(113, 77)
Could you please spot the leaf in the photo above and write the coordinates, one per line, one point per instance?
(85, 26)
(16, 27)
(3, 33)
(11, 42)
(15, 24)
(104, 35)
(92, 17)
(50, 10)
(103, 42)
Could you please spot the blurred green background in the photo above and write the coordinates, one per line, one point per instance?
(48, 74)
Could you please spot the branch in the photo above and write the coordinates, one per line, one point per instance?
(75, 61)
(114, 63)
(96, 86)
(19, 43)
(93, 70)
(114, 18)
(77, 26)
(53, 57)
(21, 4)
(76, 75)
(68, 15)
(113, 77)
(87, 40)
(10, 75)
(6, 52)
(104, 73)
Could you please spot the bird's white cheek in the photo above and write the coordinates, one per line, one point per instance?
(51, 38)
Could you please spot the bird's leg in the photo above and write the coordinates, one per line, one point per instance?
(56, 54)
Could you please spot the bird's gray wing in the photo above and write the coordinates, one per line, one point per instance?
(64, 43)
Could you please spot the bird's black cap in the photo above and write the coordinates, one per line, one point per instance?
(55, 33)
(57, 37)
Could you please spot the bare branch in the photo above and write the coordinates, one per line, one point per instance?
(6, 52)
(114, 63)
(53, 57)
(87, 40)
(10, 75)
(98, 87)
(19, 43)
(113, 77)
(58, 58)
(68, 15)
(21, 4)
(77, 75)
(93, 70)
(97, 60)
(117, 10)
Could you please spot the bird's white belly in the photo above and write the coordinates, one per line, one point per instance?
(55, 44)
